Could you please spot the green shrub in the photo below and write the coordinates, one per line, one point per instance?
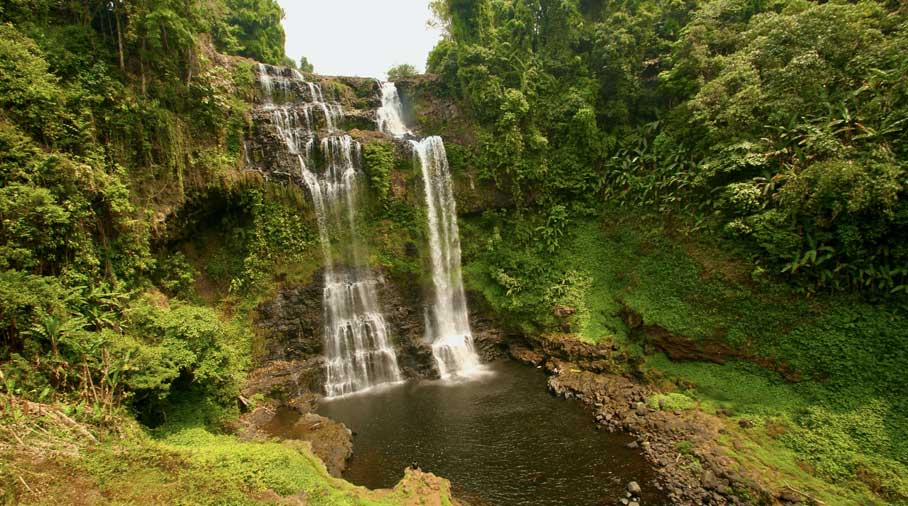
(670, 402)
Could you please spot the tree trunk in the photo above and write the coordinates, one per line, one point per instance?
(189, 66)
(120, 41)
(142, 65)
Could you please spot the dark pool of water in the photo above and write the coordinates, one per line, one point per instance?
(502, 440)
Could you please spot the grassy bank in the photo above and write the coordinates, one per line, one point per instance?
(47, 462)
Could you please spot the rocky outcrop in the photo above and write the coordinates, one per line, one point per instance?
(419, 488)
(554, 348)
(295, 382)
(331, 441)
(682, 348)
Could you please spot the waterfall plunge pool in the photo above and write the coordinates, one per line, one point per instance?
(501, 439)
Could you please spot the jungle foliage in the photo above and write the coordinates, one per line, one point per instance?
(780, 125)
(674, 161)
(111, 115)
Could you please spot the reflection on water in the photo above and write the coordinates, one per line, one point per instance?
(501, 439)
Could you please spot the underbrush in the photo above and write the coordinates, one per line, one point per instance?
(807, 429)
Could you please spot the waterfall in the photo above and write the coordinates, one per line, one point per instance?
(358, 351)
(449, 332)
(357, 346)
(447, 320)
(390, 117)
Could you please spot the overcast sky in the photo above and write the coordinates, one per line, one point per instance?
(359, 37)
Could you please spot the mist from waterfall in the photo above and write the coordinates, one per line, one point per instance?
(358, 351)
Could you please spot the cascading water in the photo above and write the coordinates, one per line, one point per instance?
(447, 322)
(358, 352)
(390, 117)
(449, 329)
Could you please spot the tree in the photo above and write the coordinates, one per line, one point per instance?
(305, 66)
(401, 71)
(259, 32)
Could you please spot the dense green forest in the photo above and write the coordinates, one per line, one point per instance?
(778, 124)
(112, 114)
(728, 171)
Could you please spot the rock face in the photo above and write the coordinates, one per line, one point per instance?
(404, 314)
(291, 326)
(296, 382)
(331, 441)
(533, 350)
(291, 322)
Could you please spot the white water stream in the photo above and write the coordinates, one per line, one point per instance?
(447, 322)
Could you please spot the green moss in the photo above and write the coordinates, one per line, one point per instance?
(192, 466)
(671, 402)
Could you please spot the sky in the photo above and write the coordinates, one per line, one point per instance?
(359, 37)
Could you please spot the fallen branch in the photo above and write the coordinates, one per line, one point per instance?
(44, 410)
(805, 494)
(26, 485)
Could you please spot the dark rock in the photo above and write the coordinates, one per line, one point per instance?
(709, 480)
(291, 322)
(287, 380)
(746, 424)
(790, 497)
(525, 355)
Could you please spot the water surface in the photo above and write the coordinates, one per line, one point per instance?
(502, 440)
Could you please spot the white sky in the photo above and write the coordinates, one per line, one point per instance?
(359, 37)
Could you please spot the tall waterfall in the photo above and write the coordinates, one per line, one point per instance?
(358, 352)
(449, 325)
(447, 321)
